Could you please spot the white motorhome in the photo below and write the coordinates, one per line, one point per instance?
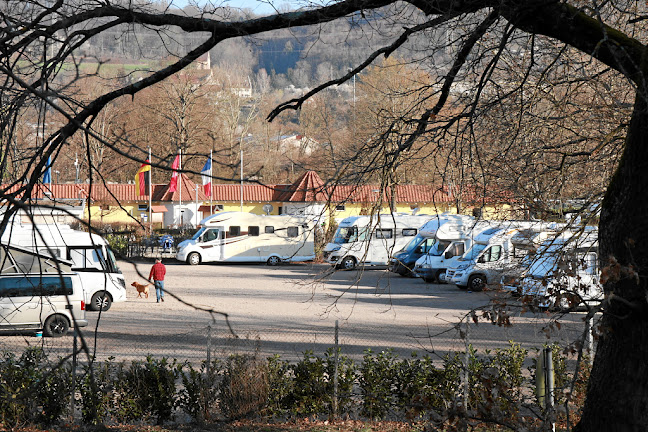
(489, 256)
(453, 237)
(371, 240)
(39, 292)
(404, 260)
(565, 274)
(247, 237)
(90, 255)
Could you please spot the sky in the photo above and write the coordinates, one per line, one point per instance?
(259, 7)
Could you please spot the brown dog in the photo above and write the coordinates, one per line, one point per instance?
(141, 289)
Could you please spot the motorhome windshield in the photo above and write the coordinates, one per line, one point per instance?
(346, 235)
(473, 252)
(439, 247)
(111, 262)
(198, 234)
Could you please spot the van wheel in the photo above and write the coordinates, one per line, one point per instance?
(56, 326)
(273, 261)
(441, 276)
(348, 263)
(193, 258)
(100, 301)
(476, 283)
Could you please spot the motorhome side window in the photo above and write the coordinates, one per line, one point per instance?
(253, 231)
(55, 252)
(292, 231)
(34, 286)
(88, 259)
(590, 264)
(409, 232)
(269, 230)
(234, 231)
(493, 253)
(384, 233)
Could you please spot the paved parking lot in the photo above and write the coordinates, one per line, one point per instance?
(290, 308)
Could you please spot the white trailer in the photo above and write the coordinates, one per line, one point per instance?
(89, 253)
(372, 240)
(565, 274)
(247, 237)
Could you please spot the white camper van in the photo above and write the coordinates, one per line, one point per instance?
(90, 255)
(371, 240)
(453, 238)
(404, 260)
(565, 274)
(247, 237)
(488, 257)
(39, 293)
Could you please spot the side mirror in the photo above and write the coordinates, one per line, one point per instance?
(448, 255)
(418, 250)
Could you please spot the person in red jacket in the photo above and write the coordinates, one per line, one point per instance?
(157, 277)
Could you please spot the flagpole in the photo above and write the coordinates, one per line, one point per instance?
(150, 193)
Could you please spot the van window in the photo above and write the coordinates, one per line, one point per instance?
(234, 231)
(292, 231)
(269, 230)
(211, 234)
(384, 233)
(87, 259)
(35, 286)
(409, 232)
(253, 231)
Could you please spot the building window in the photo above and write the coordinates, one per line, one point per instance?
(234, 231)
(142, 207)
(269, 230)
(253, 231)
(292, 231)
(340, 207)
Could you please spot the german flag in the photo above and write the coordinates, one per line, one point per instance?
(143, 178)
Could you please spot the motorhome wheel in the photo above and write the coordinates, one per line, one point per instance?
(193, 258)
(476, 282)
(56, 326)
(348, 263)
(441, 276)
(100, 301)
(273, 261)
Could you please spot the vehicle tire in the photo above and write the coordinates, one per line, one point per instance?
(56, 326)
(193, 258)
(99, 301)
(476, 283)
(348, 263)
(441, 276)
(273, 261)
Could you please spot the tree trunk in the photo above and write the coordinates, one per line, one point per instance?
(617, 396)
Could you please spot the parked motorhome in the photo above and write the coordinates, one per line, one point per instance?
(453, 238)
(565, 274)
(247, 237)
(371, 240)
(90, 255)
(404, 260)
(488, 257)
(39, 292)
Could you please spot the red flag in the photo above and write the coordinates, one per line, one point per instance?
(173, 184)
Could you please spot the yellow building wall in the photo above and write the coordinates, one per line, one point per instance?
(113, 214)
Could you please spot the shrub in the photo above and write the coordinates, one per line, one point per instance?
(376, 379)
(96, 392)
(244, 387)
(280, 386)
(200, 390)
(310, 395)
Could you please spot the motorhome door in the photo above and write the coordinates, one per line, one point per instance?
(212, 244)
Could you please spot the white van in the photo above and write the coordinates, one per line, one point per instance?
(39, 293)
(488, 258)
(247, 237)
(565, 274)
(371, 240)
(453, 238)
(89, 253)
